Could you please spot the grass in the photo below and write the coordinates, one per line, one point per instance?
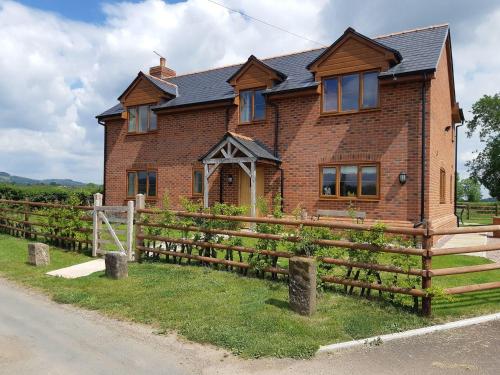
(248, 316)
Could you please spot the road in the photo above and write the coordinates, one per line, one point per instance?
(38, 336)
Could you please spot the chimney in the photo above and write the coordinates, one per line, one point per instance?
(162, 71)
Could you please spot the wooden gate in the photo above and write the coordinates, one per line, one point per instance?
(113, 222)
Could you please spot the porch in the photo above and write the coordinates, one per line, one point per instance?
(246, 168)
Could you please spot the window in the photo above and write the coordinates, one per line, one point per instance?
(329, 182)
(197, 181)
(252, 106)
(141, 119)
(349, 181)
(141, 182)
(350, 92)
(442, 186)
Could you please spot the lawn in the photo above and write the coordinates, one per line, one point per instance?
(247, 316)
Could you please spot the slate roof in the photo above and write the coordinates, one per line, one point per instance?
(420, 50)
(258, 149)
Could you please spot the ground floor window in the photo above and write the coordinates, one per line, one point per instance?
(349, 181)
(197, 181)
(141, 182)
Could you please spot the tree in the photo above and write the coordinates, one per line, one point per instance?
(485, 167)
(468, 189)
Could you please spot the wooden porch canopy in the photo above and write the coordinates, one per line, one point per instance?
(238, 149)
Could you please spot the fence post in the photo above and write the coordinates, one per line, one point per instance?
(496, 209)
(96, 224)
(468, 211)
(27, 227)
(130, 228)
(427, 267)
(140, 204)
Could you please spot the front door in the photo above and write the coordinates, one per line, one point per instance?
(245, 192)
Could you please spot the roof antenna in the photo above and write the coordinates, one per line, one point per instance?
(156, 53)
(162, 59)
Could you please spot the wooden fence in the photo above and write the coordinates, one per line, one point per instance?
(62, 225)
(148, 244)
(196, 237)
(468, 211)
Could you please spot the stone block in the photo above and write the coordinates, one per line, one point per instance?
(116, 265)
(302, 287)
(38, 254)
(496, 221)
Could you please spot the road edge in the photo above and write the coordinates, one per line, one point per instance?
(376, 340)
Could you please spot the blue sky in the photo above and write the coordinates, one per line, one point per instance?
(71, 59)
(80, 10)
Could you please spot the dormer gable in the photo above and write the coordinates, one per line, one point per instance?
(146, 89)
(353, 52)
(255, 73)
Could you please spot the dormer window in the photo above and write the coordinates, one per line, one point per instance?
(252, 106)
(141, 119)
(350, 92)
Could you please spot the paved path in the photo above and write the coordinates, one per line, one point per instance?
(473, 239)
(38, 336)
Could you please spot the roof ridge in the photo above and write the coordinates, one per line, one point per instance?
(242, 63)
(238, 135)
(411, 30)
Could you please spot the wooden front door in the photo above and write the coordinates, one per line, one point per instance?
(245, 198)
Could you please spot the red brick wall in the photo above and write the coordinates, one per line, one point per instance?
(390, 136)
(442, 147)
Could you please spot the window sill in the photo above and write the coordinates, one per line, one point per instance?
(344, 199)
(257, 122)
(141, 133)
(370, 110)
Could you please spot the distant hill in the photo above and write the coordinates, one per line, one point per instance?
(18, 180)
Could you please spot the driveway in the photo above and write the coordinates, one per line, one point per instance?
(38, 336)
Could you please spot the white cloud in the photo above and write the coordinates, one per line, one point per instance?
(57, 74)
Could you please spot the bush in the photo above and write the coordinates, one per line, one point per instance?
(49, 194)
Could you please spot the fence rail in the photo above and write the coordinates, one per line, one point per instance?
(70, 228)
(219, 240)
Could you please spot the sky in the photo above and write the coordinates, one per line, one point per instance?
(63, 62)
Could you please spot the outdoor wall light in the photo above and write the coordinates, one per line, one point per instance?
(402, 178)
(230, 179)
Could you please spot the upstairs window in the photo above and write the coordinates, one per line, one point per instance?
(349, 181)
(252, 106)
(350, 92)
(141, 119)
(141, 182)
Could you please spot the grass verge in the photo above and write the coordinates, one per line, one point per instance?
(248, 316)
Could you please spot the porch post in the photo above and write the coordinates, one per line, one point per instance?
(205, 185)
(253, 190)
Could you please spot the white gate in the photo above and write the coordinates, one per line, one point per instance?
(114, 221)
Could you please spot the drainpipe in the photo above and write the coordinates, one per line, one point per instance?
(104, 166)
(226, 119)
(422, 177)
(456, 173)
(282, 185)
(276, 127)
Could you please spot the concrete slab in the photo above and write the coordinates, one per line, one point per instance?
(79, 270)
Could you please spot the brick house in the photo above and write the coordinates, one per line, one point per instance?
(367, 123)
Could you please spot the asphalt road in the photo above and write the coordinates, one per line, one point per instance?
(38, 336)
(41, 337)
